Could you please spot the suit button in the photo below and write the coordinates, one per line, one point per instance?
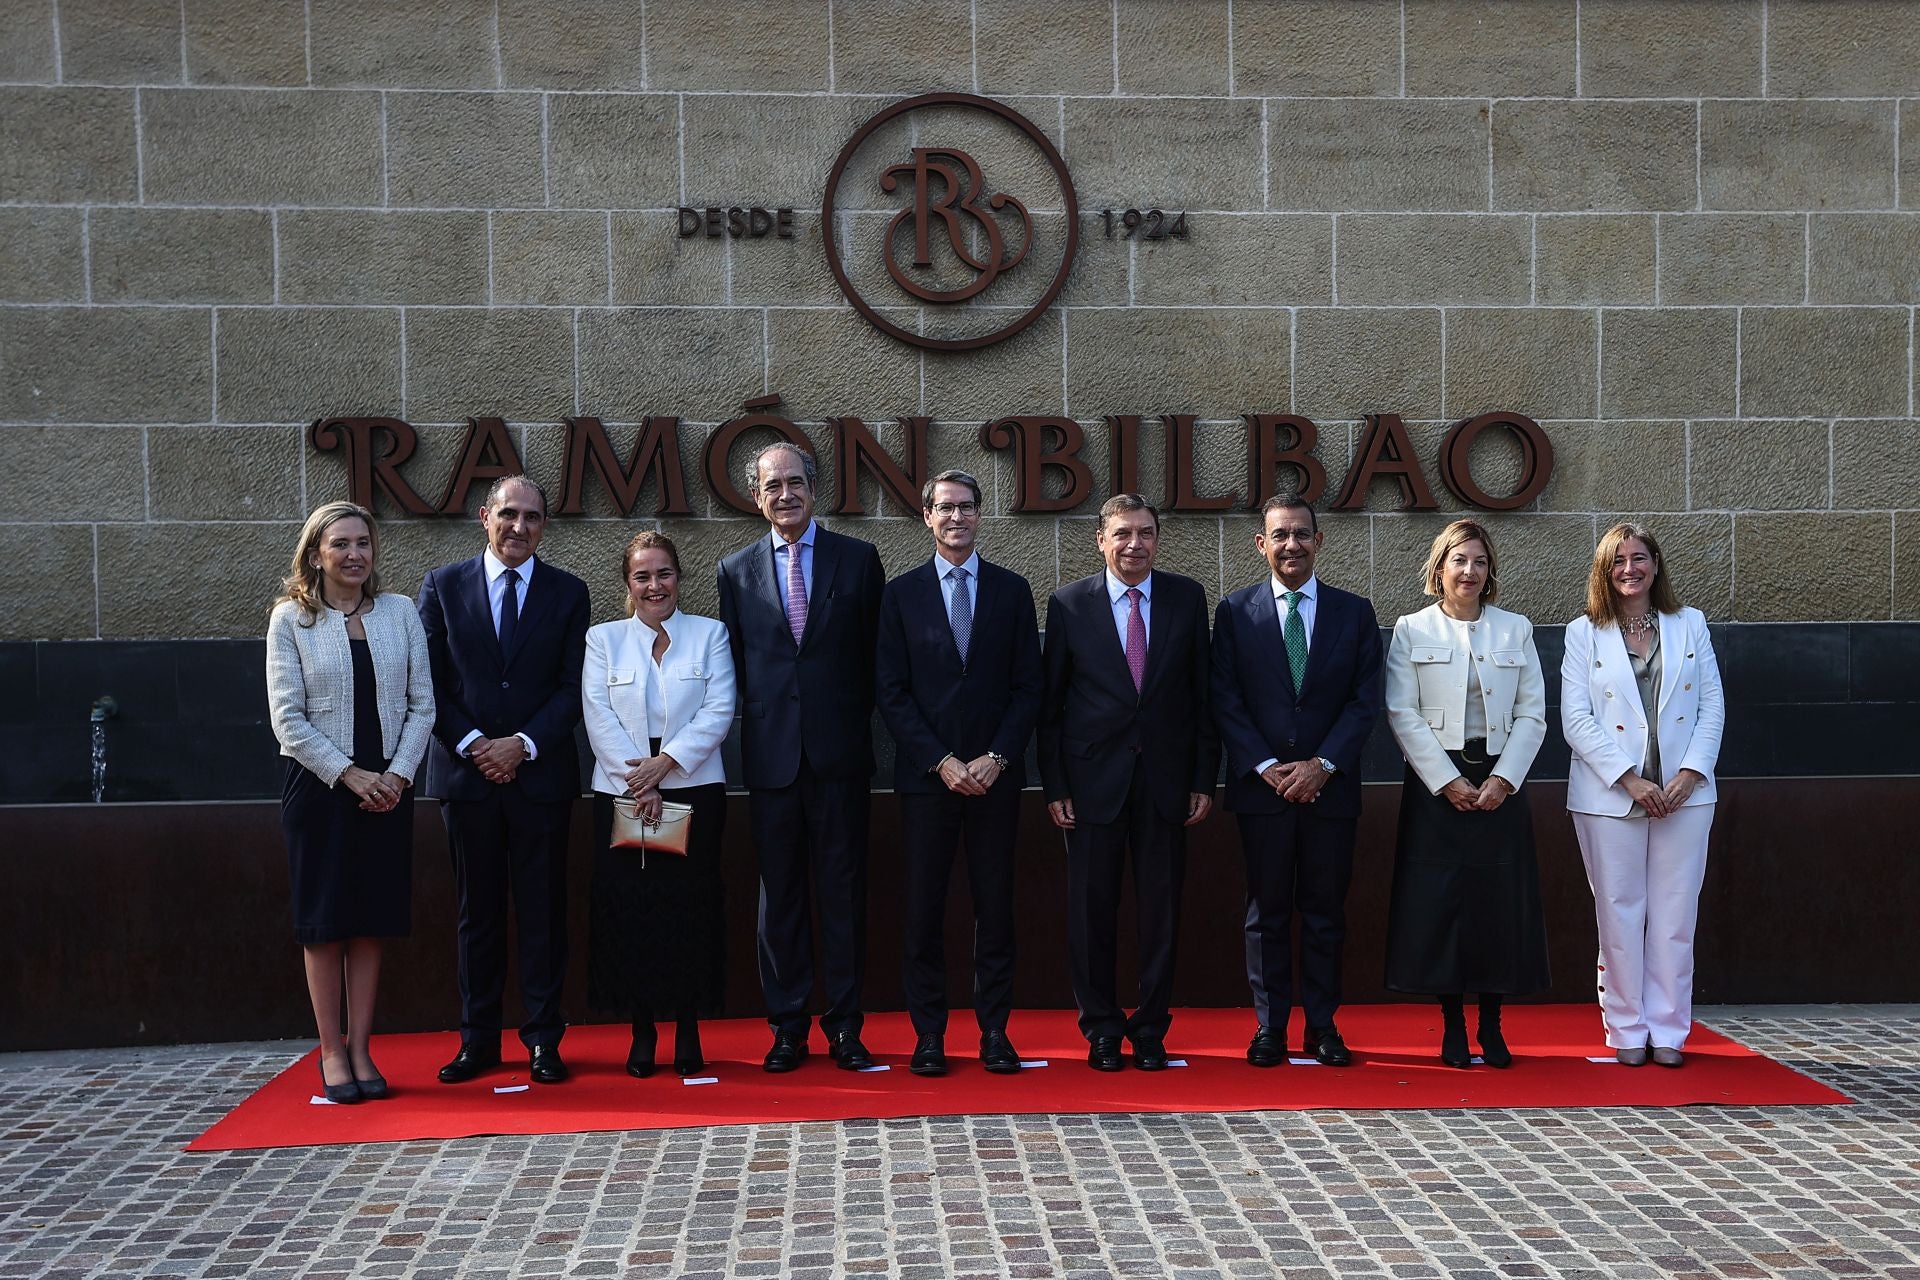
(793, 697)
(1619, 728)
(1686, 686)
(506, 684)
(1609, 693)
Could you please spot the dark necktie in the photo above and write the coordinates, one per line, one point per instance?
(961, 615)
(509, 611)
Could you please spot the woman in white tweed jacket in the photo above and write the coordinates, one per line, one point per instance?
(350, 693)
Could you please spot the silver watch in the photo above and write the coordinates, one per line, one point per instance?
(1327, 765)
(998, 760)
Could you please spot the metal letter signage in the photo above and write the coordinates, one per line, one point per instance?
(948, 184)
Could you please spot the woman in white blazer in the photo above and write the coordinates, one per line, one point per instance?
(658, 692)
(1466, 700)
(350, 696)
(1640, 705)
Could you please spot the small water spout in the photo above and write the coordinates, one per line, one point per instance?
(104, 709)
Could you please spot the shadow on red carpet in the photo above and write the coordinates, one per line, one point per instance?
(1395, 1067)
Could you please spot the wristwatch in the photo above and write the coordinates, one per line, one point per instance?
(998, 759)
(1327, 765)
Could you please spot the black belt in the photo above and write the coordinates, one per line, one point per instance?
(1474, 751)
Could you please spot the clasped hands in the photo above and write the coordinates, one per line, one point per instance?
(378, 792)
(973, 778)
(1660, 801)
(1485, 798)
(498, 759)
(1299, 781)
(643, 777)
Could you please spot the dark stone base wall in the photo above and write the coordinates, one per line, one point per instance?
(148, 924)
(1810, 699)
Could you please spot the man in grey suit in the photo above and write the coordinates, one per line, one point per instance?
(802, 608)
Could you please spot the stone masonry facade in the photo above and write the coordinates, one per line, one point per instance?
(1685, 237)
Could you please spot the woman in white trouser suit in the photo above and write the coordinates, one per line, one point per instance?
(1640, 705)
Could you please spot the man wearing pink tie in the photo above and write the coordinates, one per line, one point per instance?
(1128, 759)
(802, 608)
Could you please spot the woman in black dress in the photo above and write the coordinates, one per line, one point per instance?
(658, 695)
(1467, 702)
(351, 701)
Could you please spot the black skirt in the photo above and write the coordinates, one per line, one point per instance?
(658, 920)
(1465, 913)
(351, 871)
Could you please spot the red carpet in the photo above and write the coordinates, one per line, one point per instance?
(1394, 1049)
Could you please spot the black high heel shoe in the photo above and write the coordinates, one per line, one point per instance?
(687, 1059)
(1493, 1044)
(345, 1094)
(1453, 1035)
(373, 1087)
(640, 1056)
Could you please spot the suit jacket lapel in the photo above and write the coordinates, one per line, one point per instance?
(766, 580)
(479, 603)
(1326, 615)
(933, 605)
(1269, 634)
(1673, 649)
(1610, 646)
(825, 561)
(539, 601)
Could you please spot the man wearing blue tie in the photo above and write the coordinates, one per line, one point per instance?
(1296, 687)
(802, 605)
(507, 635)
(957, 677)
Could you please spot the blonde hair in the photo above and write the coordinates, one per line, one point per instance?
(646, 540)
(1603, 603)
(1462, 531)
(303, 582)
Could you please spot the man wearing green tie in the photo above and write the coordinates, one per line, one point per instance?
(1296, 687)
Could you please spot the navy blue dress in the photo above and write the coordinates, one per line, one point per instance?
(351, 871)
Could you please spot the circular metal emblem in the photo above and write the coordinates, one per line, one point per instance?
(981, 236)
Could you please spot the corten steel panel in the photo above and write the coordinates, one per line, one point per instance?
(160, 924)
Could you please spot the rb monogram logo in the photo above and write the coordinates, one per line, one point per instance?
(954, 191)
(949, 194)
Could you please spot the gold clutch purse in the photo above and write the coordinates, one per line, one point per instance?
(668, 833)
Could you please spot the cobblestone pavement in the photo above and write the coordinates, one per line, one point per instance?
(93, 1182)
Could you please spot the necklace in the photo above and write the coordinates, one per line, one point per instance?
(1639, 626)
(358, 606)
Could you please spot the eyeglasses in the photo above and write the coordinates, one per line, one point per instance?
(945, 509)
(1296, 535)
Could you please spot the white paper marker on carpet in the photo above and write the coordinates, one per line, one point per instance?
(511, 1088)
(880, 1066)
(1028, 1064)
(1176, 1062)
(701, 1080)
(1303, 1062)
(1603, 1057)
(319, 1101)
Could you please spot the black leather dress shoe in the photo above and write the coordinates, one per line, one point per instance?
(848, 1053)
(998, 1055)
(468, 1063)
(1327, 1048)
(1150, 1054)
(929, 1055)
(545, 1066)
(788, 1051)
(1103, 1053)
(1268, 1048)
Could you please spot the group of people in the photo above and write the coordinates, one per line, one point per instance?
(1133, 696)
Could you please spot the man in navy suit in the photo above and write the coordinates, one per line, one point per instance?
(957, 677)
(1128, 759)
(507, 634)
(1296, 688)
(801, 607)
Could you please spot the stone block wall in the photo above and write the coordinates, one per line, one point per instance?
(1683, 236)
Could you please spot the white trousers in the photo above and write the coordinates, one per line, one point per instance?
(1646, 874)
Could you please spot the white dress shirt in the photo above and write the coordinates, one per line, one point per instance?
(1117, 596)
(949, 584)
(1309, 605)
(496, 600)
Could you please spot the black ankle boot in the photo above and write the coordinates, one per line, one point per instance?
(1453, 1033)
(645, 1037)
(1493, 1045)
(687, 1058)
